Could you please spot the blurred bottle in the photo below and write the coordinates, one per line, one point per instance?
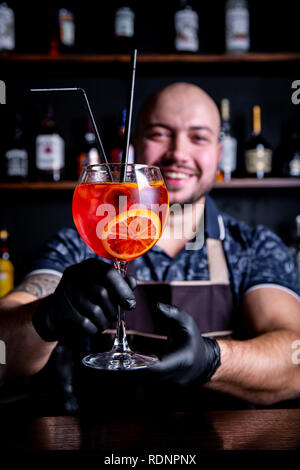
(50, 150)
(6, 266)
(290, 156)
(186, 28)
(124, 27)
(229, 144)
(237, 36)
(16, 154)
(62, 35)
(89, 154)
(119, 142)
(258, 152)
(295, 245)
(7, 27)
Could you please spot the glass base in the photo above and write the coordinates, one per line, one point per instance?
(113, 360)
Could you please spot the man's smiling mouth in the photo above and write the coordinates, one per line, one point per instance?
(176, 175)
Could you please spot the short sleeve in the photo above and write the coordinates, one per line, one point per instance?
(63, 249)
(271, 263)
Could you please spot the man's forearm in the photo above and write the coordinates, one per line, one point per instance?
(259, 370)
(26, 352)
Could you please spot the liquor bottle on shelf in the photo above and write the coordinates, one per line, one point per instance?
(186, 28)
(16, 154)
(258, 153)
(290, 157)
(237, 36)
(6, 265)
(7, 27)
(89, 154)
(50, 150)
(118, 143)
(227, 164)
(124, 27)
(62, 32)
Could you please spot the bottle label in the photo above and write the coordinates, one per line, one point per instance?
(294, 165)
(237, 30)
(186, 30)
(17, 163)
(124, 23)
(66, 28)
(6, 276)
(259, 160)
(7, 28)
(228, 158)
(50, 152)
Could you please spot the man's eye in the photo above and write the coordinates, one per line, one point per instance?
(157, 135)
(198, 138)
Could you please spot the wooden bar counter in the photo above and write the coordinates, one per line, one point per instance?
(180, 432)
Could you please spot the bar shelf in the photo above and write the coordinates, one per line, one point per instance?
(154, 58)
(235, 183)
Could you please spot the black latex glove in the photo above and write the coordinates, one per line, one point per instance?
(192, 357)
(85, 299)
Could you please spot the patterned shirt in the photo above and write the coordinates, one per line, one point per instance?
(255, 257)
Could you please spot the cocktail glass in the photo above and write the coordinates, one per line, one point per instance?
(120, 219)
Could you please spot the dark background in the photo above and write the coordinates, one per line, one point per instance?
(32, 216)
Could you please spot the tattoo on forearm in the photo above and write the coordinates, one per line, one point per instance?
(39, 285)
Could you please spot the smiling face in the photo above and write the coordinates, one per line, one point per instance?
(179, 132)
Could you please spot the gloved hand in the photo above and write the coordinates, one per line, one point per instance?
(85, 299)
(192, 357)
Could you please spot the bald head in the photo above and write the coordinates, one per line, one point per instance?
(179, 98)
(178, 131)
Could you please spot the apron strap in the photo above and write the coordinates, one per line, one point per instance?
(218, 273)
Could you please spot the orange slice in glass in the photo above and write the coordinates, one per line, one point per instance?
(131, 234)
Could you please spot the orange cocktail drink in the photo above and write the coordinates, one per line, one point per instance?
(120, 221)
(120, 212)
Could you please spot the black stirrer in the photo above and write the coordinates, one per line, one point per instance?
(98, 139)
(128, 119)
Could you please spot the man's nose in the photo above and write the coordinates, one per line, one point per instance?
(178, 149)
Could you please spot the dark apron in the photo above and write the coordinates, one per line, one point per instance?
(209, 302)
(211, 305)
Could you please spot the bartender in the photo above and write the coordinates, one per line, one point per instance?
(230, 306)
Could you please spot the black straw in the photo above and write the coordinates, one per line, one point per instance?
(98, 139)
(128, 119)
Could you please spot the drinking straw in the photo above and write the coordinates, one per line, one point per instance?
(128, 119)
(98, 139)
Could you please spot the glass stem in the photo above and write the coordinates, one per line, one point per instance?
(120, 342)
